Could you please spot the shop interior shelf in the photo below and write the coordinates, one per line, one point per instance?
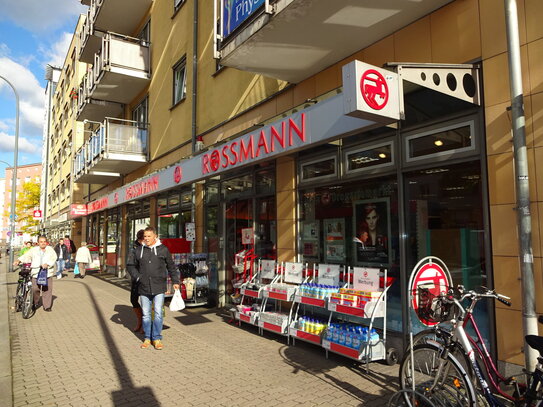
(317, 302)
(365, 312)
(305, 336)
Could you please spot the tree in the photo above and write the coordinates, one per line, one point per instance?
(27, 201)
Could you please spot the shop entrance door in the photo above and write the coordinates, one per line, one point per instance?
(238, 215)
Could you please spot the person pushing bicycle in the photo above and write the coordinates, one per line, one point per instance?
(41, 256)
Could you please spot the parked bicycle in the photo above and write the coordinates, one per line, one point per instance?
(23, 294)
(443, 362)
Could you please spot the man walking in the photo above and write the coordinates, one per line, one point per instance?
(149, 265)
(63, 256)
(41, 256)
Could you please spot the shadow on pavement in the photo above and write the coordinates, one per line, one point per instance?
(128, 392)
(125, 316)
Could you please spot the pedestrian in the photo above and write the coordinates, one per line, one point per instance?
(41, 256)
(63, 255)
(83, 259)
(71, 247)
(149, 265)
(134, 287)
(27, 247)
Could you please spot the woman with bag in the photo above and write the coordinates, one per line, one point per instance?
(82, 260)
(42, 259)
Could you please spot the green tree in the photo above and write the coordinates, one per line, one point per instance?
(28, 200)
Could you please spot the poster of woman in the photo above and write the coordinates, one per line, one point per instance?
(372, 231)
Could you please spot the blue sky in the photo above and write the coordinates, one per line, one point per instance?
(33, 33)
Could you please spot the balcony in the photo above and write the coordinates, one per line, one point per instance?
(295, 39)
(89, 109)
(120, 16)
(116, 147)
(90, 41)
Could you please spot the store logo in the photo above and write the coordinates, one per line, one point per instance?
(374, 89)
(177, 174)
(116, 198)
(434, 279)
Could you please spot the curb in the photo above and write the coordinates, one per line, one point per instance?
(6, 379)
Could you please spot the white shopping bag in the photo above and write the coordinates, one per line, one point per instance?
(177, 303)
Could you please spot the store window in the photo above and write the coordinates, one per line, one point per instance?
(374, 157)
(318, 169)
(168, 215)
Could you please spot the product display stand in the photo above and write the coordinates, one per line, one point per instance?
(195, 264)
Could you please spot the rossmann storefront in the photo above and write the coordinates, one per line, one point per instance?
(342, 181)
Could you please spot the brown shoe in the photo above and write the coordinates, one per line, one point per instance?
(146, 343)
(158, 344)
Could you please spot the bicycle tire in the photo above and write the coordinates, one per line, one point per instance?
(19, 297)
(27, 304)
(453, 389)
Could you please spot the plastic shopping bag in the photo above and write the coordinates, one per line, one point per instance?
(177, 303)
(76, 269)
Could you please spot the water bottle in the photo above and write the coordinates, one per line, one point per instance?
(374, 336)
(330, 333)
(301, 323)
(348, 339)
(356, 340)
(336, 334)
(342, 338)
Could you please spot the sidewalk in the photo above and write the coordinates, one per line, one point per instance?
(85, 354)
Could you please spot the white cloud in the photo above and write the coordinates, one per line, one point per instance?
(40, 15)
(7, 144)
(56, 53)
(31, 96)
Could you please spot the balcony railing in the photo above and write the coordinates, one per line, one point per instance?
(92, 109)
(115, 147)
(121, 16)
(90, 40)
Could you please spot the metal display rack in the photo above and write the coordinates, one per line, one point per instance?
(200, 289)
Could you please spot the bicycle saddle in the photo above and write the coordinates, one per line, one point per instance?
(24, 273)
(535, 342)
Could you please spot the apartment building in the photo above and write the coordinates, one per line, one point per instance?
(25, 173)
(62, 135)
(232, 115)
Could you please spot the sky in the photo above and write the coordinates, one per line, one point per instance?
(33, 33)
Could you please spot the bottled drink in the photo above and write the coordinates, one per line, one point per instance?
(356, 340)
(342, 338)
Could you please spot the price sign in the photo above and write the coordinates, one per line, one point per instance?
(326, 344)
(294, 273)
(329, 274)
(332, 307)
(261, 324)
(190, 232)
(267, 269)
(366, 279)
(265, 293)
(293, 332)
(297, 298)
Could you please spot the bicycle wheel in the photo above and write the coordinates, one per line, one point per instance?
(19, 297)
(441, 379)
(27, 303)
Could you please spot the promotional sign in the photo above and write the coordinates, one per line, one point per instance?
(329, 274)
(432, 274)
(78, 209)
(294, 273)
(190, 231)
(366, 279)
(37, 214)
(235, 12)
(371, 93)
(267, 269)
(247, 236)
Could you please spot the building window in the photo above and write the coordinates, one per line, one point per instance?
(369, 157)
(177, 4)
(180, 80)
(322, 168)
(145, 34)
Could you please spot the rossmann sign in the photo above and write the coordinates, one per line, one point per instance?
(325, 121)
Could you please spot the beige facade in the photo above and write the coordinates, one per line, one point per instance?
(230, 101)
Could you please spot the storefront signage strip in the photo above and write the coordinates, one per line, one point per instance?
(322, 122)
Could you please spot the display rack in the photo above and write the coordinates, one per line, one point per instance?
(200, 270)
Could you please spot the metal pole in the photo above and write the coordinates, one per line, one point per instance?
(522, 186)
(14, 173)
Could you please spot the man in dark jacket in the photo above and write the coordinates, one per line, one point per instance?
(63, 257)
(150, 265)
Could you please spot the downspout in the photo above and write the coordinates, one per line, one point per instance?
(194, 73)
(522, 186)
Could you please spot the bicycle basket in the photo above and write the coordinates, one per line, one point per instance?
(432, 308)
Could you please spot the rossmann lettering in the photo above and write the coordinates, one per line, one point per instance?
(141, 188)
(274, 138)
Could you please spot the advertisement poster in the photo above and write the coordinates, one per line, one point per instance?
(190, 231)
(366, 279)
(334, 232)
(294, 273)
(247, 236)
(372, 230)
(329, 274)
(267, 269)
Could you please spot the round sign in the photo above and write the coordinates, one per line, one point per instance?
(374, 89)
(433, 278)
(177, 175)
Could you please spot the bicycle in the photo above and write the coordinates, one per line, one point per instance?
(23, 294)
(446, 357)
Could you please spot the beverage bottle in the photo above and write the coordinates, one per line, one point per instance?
(356, 340)
(301, 323)
(364, 334)
(336, 333)
(330, 333)
(348, 339)
(341, 338)
(374, 336)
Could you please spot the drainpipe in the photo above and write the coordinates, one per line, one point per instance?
(194, 73)
(522, 186)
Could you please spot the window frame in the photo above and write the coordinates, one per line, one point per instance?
(366, 147)
(179, 65)
(304, 163)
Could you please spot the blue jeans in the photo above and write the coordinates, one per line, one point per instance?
(60, 266)
(152, 328)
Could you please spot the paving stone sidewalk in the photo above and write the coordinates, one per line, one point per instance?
(85, 354)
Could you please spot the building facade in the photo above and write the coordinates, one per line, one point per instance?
(226, 117)
(62, 135)
(25, 173)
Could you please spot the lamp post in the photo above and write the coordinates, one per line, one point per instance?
(14, 173)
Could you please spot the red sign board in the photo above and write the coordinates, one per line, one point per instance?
(37, 214)
(432, 277)
(374, 89)
(78, 210)
(178, 174)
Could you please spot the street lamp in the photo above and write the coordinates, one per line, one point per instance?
(14, 174)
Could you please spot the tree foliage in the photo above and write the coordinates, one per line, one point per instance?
(28, 200)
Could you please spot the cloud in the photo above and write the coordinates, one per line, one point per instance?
(31, 96)
(56, 53)
(7, 144)
(40, 15)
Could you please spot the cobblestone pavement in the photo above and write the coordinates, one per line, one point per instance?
(85, 354)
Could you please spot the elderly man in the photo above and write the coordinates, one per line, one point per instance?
(149, 265)
(41, 256)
